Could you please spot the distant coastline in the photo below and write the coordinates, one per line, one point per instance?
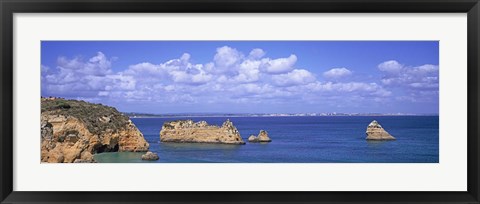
(191, 115)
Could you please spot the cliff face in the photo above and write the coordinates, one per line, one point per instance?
(376, 132)
(72, 131)
(186, 131)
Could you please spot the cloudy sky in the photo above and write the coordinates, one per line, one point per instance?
(246, 76)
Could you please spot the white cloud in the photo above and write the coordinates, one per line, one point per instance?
(97, 65)
(183, 77)
(391, 66)
(420, 85)
(175, 70)
(337, 73)
(295, 77)
(419, 77)
(185, 57)
(142, 68)
(77, 76)
(44, 68)
(230, 77)
(248, 71)
(280, 65)
(252, 89)
(361, 88)
(226, 57)
(122, 82)
(103, 93)
(256, 53)
(426, 69)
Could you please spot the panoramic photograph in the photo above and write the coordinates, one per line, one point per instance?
(239, 102)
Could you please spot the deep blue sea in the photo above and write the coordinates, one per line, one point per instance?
(323, 139)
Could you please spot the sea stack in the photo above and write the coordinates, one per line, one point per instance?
(187, 131)
(150, 156)
(72, 131)
(262, 137)
(376, 132)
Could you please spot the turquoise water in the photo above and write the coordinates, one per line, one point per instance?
(336, 139)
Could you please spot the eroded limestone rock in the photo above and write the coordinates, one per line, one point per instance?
(150, 156)
(261, 137)
(187, 131)
(376, 132)
(72, 131)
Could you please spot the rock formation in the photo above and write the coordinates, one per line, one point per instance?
(262, 137)
(72, 131)
(150, 156)
(186, 131)
(376, 132)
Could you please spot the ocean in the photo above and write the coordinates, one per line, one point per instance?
(316, 139)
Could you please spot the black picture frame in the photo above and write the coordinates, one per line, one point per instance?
(10, 7)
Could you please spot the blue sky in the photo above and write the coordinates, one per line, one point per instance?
(246, 76)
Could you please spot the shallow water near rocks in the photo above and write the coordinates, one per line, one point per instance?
(325, 139)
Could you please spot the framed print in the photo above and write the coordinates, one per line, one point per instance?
(255, 102)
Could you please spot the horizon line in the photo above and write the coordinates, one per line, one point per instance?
(278, 114)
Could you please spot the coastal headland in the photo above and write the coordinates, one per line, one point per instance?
(72, 131)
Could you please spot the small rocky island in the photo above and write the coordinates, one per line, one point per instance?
(262, 137)
(376, 132)
(72, 131)
(150, 156)
(187, 131)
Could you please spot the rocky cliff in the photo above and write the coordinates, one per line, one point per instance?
(262, 137)
(187, 131)
(72, 131)
(376, 132)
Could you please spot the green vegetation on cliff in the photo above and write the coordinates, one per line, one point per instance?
(97, 117)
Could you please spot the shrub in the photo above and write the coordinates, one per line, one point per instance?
(63, 105)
